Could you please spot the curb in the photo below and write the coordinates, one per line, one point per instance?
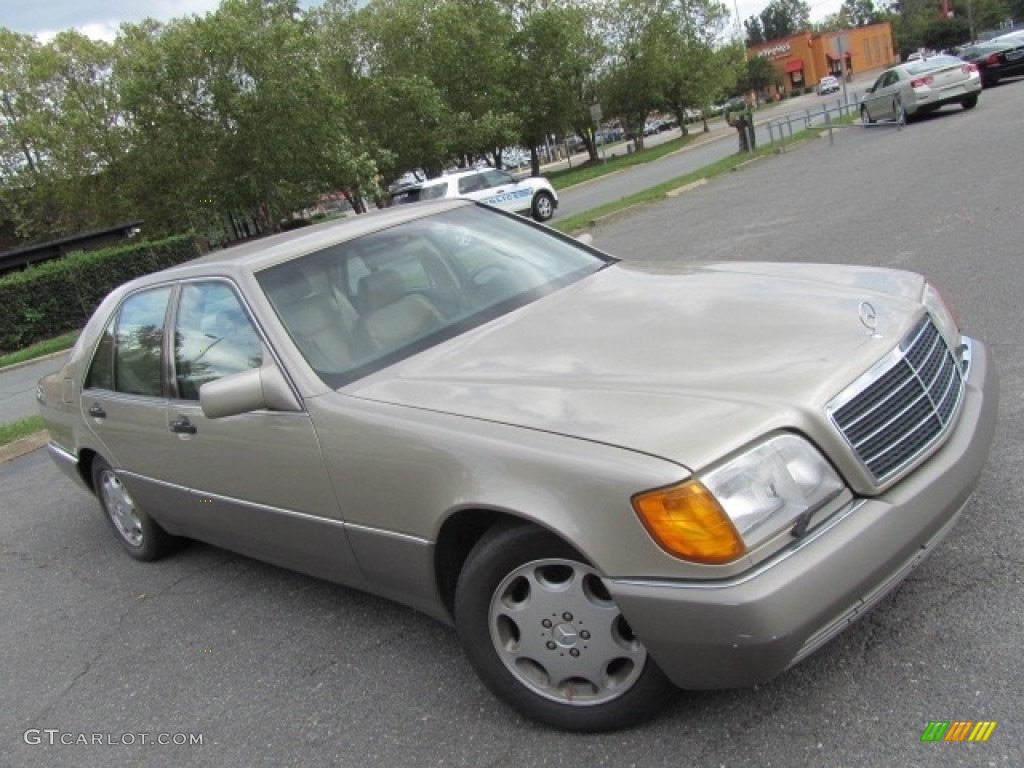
(23, 446)
(686, 188)
(34, 360)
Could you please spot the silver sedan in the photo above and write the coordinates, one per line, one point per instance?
(615, 479)
(921, 86)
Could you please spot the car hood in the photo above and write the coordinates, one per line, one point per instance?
(683, 362)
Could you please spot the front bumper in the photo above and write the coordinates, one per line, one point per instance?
(748, 629)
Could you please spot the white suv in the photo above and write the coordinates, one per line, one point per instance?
(533, 195)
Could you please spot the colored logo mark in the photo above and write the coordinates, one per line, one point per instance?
(958, 730)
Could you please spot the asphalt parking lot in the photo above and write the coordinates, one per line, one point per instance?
(266, 667)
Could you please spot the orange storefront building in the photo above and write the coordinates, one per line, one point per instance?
(801, 60)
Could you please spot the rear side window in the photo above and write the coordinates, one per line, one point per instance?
(101, 372)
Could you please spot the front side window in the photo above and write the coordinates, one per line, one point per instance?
(213, 337)
(138, 343)
(497, 178)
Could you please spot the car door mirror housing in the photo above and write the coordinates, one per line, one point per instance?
(871, 89)
(252, 390)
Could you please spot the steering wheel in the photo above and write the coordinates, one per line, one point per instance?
(477, 276)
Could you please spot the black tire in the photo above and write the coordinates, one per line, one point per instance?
(543, 207)
(970, 102)
(586, 670)
(136, 532)
(865, 116)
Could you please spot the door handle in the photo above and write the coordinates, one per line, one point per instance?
(183, 427)
(97, 412)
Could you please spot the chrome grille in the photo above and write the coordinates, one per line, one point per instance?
(899, 408)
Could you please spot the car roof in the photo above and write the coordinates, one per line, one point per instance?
(265, 252)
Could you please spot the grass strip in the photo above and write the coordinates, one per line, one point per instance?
(586, 219)
(41, 349)
(19, 429)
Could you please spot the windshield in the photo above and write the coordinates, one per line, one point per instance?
(367, 303)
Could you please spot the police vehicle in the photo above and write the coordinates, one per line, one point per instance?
(533, 195)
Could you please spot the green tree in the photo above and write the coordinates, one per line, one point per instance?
(240, 116)
(782, 18)
(634, 84)
(556, 52)
(758, 75)
(697, 67)
(859, 13)
(61, 135)
(755, 31)
(946, 33)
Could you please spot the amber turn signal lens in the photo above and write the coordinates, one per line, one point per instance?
(688, 522)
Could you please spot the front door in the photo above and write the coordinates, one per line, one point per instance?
(259, 481)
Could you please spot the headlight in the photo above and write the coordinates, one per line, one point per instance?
(719, 516)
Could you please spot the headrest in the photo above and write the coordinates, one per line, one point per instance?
(378, 289)
(290, 287)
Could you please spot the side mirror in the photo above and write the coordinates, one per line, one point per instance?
(252, 390)
(871, 89)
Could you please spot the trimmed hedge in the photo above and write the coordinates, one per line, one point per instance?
(58, 296)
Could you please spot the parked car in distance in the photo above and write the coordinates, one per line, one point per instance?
(916, 87)
(997, 60)
(828, 84)
(614, 478)
(532, 195)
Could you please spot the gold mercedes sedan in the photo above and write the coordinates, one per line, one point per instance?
(615, 479)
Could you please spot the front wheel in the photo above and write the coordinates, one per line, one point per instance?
(543, 206)
(545, 636)
(865, 116)
(136, 531)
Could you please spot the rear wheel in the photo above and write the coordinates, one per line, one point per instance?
(545, 636)
(970, 102)
(136, 532)
(543, 206)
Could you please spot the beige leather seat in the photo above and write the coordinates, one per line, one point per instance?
(321, 323)
(389, 317)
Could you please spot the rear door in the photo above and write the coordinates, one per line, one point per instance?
(124, 399)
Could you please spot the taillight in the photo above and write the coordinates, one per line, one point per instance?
(918, 82)
(969, 67)
(992, 58)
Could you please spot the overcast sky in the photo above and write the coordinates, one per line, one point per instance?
(101, 18)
